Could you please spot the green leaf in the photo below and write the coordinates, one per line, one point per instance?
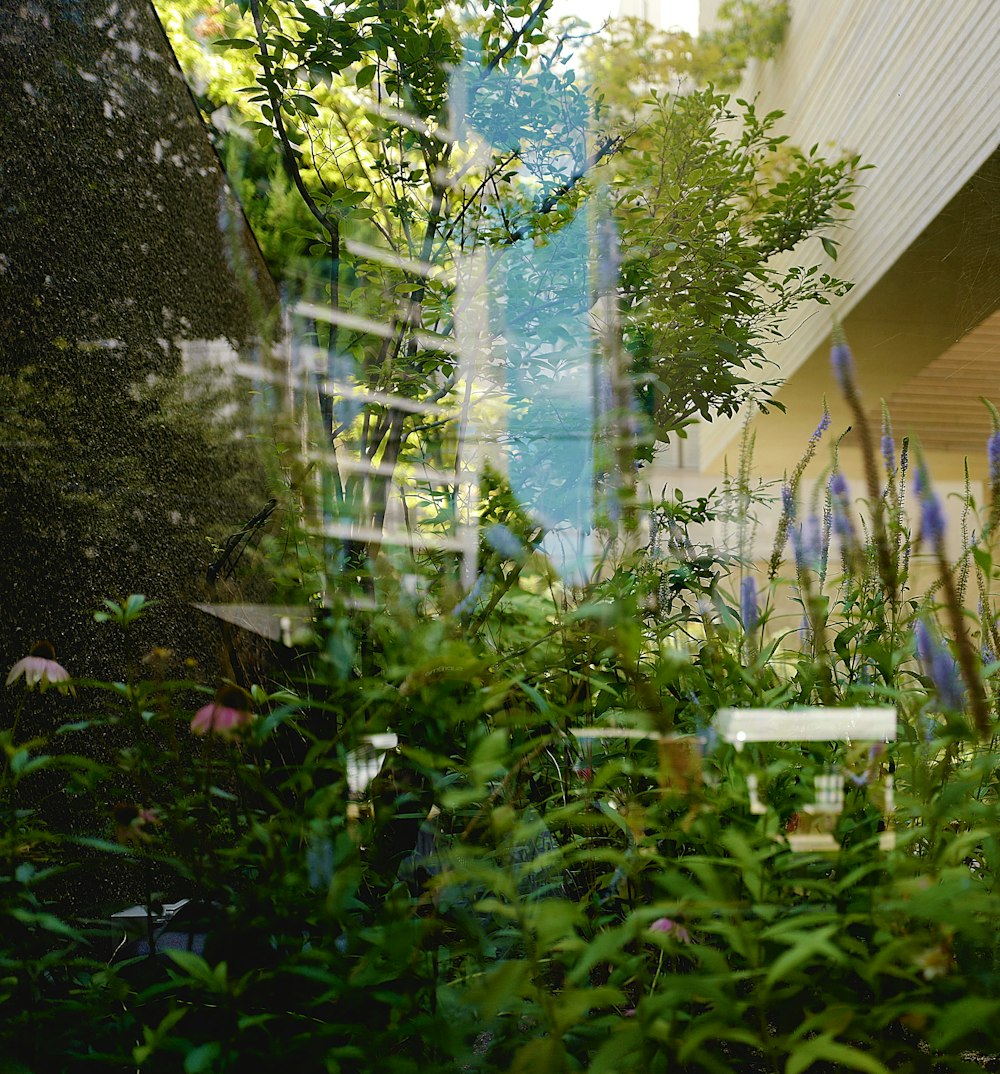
(540, 703)
(234, 42)
(365, 76)
(830, 247)
(826, 1048)
(305, 104)
(97, 844)
(709, 1030)
(202, 1058)
(198, 969)
(498, 988)
(349, 197)
(962, 1017)
(8, 1065)
(48, 922)
(806, 946)
(313, 19)
(984, 561)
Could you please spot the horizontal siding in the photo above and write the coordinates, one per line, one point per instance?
(911, 85)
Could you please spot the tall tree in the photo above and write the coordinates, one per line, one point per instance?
(357, 101)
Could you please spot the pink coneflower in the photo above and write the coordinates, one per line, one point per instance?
(40, 668)
(227, 712)
(130, 822)
(665, 924)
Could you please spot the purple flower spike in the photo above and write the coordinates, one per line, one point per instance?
(787, 502)
(841, 523)
(931, 518)
(888, 451)
(932, 524)
(843, 366)
(993, 453)
(812, 544)
(839, 499)
(468, 602)
(824, 424)
(920, 482)
(940, 667)
(748, 603)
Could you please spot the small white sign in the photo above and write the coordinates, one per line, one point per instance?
(816, 724)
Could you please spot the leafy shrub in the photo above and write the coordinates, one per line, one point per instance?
(559, 867)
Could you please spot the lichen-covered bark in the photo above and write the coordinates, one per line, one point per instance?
(124, 260)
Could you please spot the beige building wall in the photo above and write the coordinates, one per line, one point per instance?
(708, 15)
(647, 10)
(914, 87)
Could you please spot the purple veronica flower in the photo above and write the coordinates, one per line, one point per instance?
(842, 524)
(932, 523)
(824, 424)
(920, 482)
(787, 502)
(888, 448)
(843, 365)
(931, 517)
(812, 544)
(940, 667)
(749, 611)
(993, 453)
(839, 496)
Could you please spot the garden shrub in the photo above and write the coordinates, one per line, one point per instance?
(509, 895)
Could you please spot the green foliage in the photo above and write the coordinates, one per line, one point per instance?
(352, 111)
(534, 879)
(705, 218)
(749, 30)
(558, 868)
(122, 613)
(630, 58)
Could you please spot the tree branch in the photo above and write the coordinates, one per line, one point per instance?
(332, 227)
(541, 9)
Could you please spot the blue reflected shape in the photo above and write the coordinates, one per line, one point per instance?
(539, 308)
(539, 301)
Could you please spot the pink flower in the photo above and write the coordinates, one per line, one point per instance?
(227, 712)
(664, 924)
(130, 822)
(40, 668)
